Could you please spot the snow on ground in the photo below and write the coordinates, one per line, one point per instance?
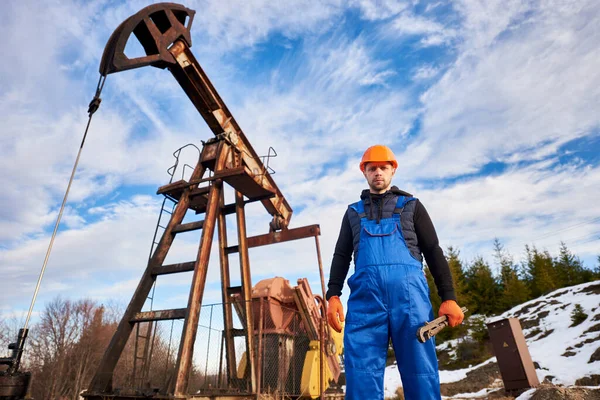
(555, 337)
(460, 374)
(526, 395)
(475, 395)
(392, 376)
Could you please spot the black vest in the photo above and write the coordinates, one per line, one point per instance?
(372, 211)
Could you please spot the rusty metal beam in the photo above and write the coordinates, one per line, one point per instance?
(101, 381)
(279, 237)
(159, 315)
(323, 323)
(207, 101)
(190, 226)
(225, 282)
(174, 268)
(230, 208)
(246, 287)
(190, 326)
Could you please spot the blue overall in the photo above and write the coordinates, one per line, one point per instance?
(389, 298)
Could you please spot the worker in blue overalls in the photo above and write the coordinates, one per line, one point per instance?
(388, 232)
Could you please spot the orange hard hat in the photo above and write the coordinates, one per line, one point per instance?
(378, 153)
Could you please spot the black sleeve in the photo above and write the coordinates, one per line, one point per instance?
(340, 264)
(430, 247)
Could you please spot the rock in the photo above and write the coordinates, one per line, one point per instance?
(592, 380)
(572, 393)
(595, 356)
(595, 328)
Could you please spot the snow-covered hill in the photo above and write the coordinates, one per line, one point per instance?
(564, 353)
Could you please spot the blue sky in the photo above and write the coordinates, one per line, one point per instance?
(492, 108)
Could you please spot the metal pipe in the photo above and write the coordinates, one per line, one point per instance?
(320, 264)
(225, 283)
(208, 347)
(259, 367)
(322, 323)
(220, 378)
(321, 359)
(246, 287)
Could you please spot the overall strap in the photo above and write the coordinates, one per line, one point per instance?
(402, 200)
(359, 207)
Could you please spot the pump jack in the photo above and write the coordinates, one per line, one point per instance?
(164, 32)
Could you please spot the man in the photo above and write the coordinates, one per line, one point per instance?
(387, 232)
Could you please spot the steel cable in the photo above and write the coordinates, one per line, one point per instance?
(92, 108)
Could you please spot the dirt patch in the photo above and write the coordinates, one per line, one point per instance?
(533, 332)
(586, 341)
(476, 380)
(596, 317)
(525, 310)
(558, 294)
(546, 333)
(572, 393)
(592, 289)
(595, 356)
(592, 380)
(529, 323)
(595, 328)
(543, 314)
(537, 365)
(568, 354)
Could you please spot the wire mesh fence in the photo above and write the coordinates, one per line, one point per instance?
(148, 361)
(280, 342)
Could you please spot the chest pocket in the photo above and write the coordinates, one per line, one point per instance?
(378, 230)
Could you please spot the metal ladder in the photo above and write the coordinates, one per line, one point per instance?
(145, 340)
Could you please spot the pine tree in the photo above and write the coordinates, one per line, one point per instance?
(541, 276)
(458, 276)
(436, 301)
(569, 270)
(577, 315)
(483, 288)
(513, 291)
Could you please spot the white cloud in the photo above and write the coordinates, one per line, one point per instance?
(255, 20)
(380, 9)
(433, 33)
(517, 206)
(425, 72)
(519, 97)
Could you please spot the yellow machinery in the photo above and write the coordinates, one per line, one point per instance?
(290, 336)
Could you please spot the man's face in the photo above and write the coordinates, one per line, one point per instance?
(379, 176)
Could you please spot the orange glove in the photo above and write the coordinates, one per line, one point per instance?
(335, 313)
(453, 311)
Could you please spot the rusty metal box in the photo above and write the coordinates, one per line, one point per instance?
(512, 354)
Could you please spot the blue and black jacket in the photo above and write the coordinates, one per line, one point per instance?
(418, 231)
